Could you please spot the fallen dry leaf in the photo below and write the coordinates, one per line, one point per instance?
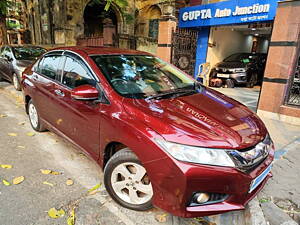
(30, 134)
(93, 192)
(58, 122)
(5, 182)
(69, 182)
(54, 213)
(71, 218)
(21, 146)
(55, 173)
(45, 171)
(13, 134)
(3, 115)
(97, 186)
(48, 183)
(18, 180)
(162, 218)
(21, 123)
(5, 166)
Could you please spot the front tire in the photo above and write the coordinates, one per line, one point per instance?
(16, 82)
(127, 182)
(253, 80)
(34, 117)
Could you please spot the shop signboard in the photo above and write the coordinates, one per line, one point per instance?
(227, 12)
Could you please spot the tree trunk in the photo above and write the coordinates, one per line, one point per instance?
(3, 31)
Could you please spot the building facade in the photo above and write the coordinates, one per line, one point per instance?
(60, 22)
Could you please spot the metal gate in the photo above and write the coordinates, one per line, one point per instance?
(184, 45)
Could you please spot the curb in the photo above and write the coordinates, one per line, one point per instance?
(254, 214)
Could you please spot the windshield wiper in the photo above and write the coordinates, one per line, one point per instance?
(173, 93)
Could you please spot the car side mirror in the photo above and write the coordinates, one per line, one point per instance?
(85, 93)
(8, 58)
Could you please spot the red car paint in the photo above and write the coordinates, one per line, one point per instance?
(207, 119)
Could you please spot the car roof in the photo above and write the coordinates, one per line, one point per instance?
(102, 50)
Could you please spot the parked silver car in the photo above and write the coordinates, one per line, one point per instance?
(14, 60)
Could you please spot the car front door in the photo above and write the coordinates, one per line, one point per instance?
(77, 119)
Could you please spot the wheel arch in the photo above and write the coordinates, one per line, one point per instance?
(110, 149)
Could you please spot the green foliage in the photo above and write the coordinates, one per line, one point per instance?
(4, 5)
(120, 3)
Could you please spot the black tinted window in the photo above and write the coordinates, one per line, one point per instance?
(76, 74)
(49, 66)
(28, 53)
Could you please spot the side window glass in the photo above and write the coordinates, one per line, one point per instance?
(49, 66)
(75, 74)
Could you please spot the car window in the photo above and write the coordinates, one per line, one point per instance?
(49, 66)
(28, 53)
(7, 52)
(76, 74)
(1, 51)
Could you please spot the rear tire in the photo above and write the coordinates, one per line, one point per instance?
(230, 83)
(34, 117)
(16, 82)
(127, 182)
(253, 80)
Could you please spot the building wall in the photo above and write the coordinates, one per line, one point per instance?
(224, 42)
(281, 63)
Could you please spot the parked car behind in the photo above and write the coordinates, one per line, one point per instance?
(162, 138)
(14, 60)
(241, 68)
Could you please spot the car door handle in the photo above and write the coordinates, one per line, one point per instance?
(59, 92)
(35, 77)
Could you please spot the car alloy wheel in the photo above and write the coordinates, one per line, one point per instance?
(34, 117)
(127, 182)
(16, 82)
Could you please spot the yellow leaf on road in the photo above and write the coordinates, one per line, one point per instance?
(5, 182)
(5, 166)
(45, 171)
(55, 173)
(18, 180)
(93, 192)
(69, 182)
(3, 115)
(54, 213)
(71, 218)
(49, 172)
(97, 186)
(21, 123)
(13, 134)
(162, 218)
(30, 134)
(21, 146)
(48, 183)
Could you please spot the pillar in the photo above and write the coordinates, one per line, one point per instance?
(167, 25)
(109, 30)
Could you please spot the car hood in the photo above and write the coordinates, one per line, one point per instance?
(24, 63)
(231, 65)
(207, 119)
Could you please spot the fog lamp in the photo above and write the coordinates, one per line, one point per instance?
(202, 197)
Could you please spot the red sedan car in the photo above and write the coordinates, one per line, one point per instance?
(162, 138)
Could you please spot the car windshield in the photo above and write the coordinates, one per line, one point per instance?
(28, 53)
(142, 76)
(244, 58)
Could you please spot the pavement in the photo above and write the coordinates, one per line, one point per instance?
(28, 202)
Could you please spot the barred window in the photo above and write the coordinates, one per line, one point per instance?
(294, 90)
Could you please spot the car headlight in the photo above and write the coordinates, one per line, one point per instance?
(240, 70)
(200, 155)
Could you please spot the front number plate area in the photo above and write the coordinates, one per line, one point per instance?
(257, 181)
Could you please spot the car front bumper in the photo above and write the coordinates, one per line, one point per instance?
(179, 181)
(239, 78)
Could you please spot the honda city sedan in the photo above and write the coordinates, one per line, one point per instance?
(161, 138)
(15, 59)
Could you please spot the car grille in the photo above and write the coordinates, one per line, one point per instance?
(224, 70)
(248, 159)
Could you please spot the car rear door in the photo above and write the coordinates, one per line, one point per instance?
(79, 120)
(44, 77)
